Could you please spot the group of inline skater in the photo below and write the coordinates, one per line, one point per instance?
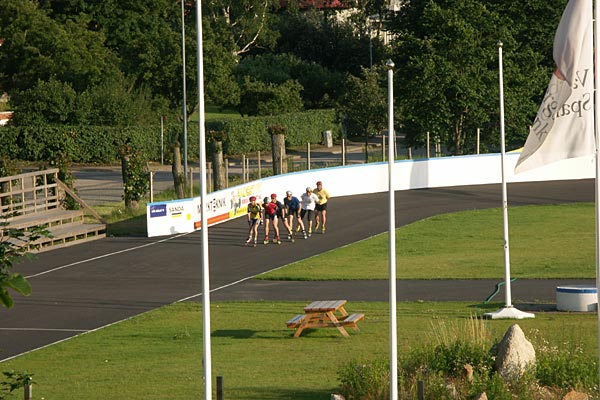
(312, 204)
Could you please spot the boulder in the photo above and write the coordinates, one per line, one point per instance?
(482, 396)
(573, 395)
(335, 396)
(515, 354)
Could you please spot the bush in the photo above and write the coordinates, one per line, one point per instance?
(440, 366)
(365, 380)
(567, 369)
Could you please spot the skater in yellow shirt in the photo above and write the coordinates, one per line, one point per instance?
(254, 214)
(321, 207)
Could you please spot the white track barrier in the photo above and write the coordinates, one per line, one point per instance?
(182, 216)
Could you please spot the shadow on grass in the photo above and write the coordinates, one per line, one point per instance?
(278, 393)
(532, 307)
(234, 333)
(135, 226)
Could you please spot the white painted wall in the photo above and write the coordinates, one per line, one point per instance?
(181, 216)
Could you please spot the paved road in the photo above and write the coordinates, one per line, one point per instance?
(88, 286)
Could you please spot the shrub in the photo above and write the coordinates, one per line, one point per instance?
(365, 380)
(439, 364)
(567, 369)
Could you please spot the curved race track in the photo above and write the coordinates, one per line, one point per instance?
(88, 286)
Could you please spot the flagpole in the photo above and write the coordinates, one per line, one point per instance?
(597, 185)
(392, 238)
(508, 312)
(185, 132)
(206, 353)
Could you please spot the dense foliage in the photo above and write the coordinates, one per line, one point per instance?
(119, 62)
(102, 144)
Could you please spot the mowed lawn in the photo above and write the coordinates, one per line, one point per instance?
(555, 241)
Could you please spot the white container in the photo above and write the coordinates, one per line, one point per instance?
(576, 298)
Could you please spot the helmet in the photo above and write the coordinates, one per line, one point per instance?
(273, 196)
(319, 183)
(289, 193)
(252, 198)
(309, 189)
(266, 200)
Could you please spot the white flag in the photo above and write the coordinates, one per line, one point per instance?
(564, 125)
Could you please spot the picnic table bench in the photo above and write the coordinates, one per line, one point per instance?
(325, 314)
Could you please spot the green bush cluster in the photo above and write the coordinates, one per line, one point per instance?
(366, 380)
(441, 369)
(101, 144)
(80, 144)
(246, 135)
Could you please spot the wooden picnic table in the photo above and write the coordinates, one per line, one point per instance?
(325, 314)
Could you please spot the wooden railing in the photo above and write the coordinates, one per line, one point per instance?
(29, 193)
(35, 192)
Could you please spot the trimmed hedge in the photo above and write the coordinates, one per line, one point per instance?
(245, 135)
(101, 144)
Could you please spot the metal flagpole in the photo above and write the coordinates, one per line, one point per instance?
(206, 354)
(597, 185)
(508, 312)
(392, 238)
(185, 133)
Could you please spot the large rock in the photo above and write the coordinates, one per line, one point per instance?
(573, 395)
(515, 354)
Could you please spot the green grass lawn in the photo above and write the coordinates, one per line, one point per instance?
(159, 354)
(556, 241)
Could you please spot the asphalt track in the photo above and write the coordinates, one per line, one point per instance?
(85, 287)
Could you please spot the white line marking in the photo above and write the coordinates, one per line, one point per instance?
(106, 255)
(43, 330)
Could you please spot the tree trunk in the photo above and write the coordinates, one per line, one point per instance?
(178, 172)
(219, 176)
(279, 157)
(366, 147)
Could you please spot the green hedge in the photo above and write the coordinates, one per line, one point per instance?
(80, 144)
(250, 134)
(101, 144)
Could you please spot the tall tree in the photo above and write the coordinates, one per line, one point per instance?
(362, 109)
(36, 47)
(447, 61)
(250, 23)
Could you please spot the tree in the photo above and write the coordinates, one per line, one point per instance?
(319, 85)
(112, 102)
(48, 102)
(446, 69)
(338, 46)
(249, 23)
(362, 109)
(446, 55)
(260, 98)
(36, 47)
